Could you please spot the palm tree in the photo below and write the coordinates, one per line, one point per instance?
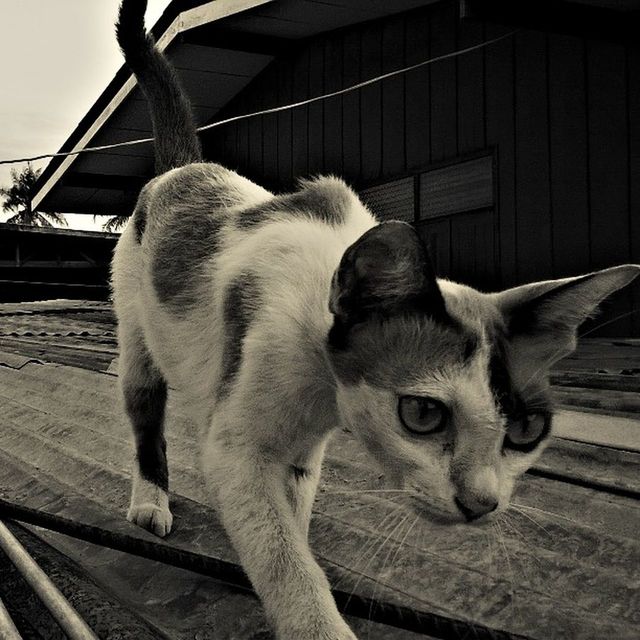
(115, 223)
(18, 198)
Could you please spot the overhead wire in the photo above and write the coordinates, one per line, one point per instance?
(292, 105)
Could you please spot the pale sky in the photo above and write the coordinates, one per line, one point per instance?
(56, 57)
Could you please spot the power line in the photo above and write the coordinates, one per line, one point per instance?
(292, 105)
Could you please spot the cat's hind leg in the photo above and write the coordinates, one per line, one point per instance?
(144, 391)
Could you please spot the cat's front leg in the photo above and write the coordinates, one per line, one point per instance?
(304, 479)
(259, 519)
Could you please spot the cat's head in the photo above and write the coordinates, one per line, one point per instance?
(447, 387)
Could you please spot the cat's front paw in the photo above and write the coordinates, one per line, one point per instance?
(152, 517)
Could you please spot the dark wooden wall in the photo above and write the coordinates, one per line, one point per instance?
(560, 113)
(45, 264)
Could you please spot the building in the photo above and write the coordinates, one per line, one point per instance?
(517, 161)
(40, 263)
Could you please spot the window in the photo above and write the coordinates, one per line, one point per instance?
(464, 186)
(457, 221)
(455, 217)
(392, 200)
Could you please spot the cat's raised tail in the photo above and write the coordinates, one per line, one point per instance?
(174, 130)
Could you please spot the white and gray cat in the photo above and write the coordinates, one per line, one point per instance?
(281, 317)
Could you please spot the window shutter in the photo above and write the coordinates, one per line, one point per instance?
(391, 200)
(465, 186)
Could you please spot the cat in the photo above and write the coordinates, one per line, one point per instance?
(282, 317)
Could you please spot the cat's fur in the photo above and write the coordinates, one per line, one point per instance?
(283, 317)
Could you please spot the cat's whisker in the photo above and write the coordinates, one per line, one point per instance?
(554, 515)
(526, 515)
(604, 324)
(335, 511)
(346, 508)
(457, 614)
(397, 494)
(359, 491)
(507, 526)
(489, 551)
(381, 528)
(508, 522)
(372, 558)
(376, 579)
(492, 555)
(404, 539)
(510, 525)
(386, 562)
(388, 523)
(495, 548)
(501, 541)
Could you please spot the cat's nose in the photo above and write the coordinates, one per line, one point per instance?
(474, 509)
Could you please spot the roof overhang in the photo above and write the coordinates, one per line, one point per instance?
(169, 27)
(218, 48)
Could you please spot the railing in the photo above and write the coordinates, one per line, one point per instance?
(59, 608)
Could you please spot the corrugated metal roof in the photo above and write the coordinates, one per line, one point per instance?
(565, 569)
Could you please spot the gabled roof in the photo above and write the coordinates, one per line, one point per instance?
(218, 47)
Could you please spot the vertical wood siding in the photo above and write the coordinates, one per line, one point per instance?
(533, 201)
(560, 113)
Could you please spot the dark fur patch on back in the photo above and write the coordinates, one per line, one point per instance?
(240, 301)
(180, 257)
(326, 200)
(192, 211)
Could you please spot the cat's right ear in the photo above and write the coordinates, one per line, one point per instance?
(542, 318)
(385, 273)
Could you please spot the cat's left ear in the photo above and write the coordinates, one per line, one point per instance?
(551, 311)
(386, 272)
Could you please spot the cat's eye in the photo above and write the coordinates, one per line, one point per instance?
(526, 432)
(422, 416)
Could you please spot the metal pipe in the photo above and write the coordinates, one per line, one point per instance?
(63, 613)
(8, 630)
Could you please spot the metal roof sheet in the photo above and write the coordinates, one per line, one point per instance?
(65, 448)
